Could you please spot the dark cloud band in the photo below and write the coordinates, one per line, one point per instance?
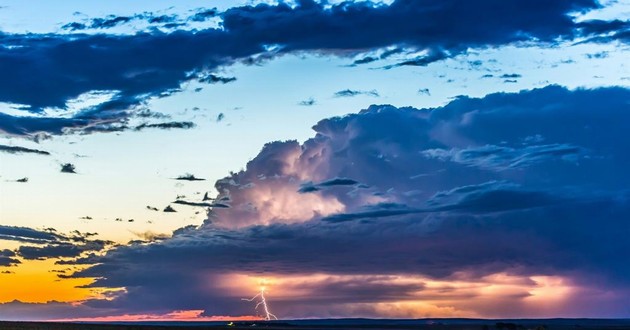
(153, 64)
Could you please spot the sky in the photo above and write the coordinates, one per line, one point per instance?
(163, 160)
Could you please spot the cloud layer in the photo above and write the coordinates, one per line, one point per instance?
(526, 195)
(47, 244)
(134, 68)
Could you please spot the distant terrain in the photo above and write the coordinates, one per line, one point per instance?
(345, 324)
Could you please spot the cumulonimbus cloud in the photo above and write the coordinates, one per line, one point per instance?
(524, 225)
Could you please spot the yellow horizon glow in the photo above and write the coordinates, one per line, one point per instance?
(33, 282)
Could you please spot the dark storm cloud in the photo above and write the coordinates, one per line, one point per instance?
(601, 27)
(25, 234)
(154, 64)
(605, 31)
(547, 216)
(29, 126)
(44, 244)
(136, 78)
(22, 150)
(483, 245)
(88, 259)
(227, 250)
(363, 26)
(43, 236)
(62, 250)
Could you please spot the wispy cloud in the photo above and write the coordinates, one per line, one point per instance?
(167, 125)
(308, 102)
(351, 93)
(22, 150)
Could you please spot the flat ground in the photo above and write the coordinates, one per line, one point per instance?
(343, 325)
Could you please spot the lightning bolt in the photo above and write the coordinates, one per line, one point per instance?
(263, 302)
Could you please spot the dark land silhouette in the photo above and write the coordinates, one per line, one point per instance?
(342, 324)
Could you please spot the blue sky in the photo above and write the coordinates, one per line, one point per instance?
(477, 113)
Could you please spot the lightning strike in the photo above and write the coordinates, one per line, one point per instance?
(263, 302)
